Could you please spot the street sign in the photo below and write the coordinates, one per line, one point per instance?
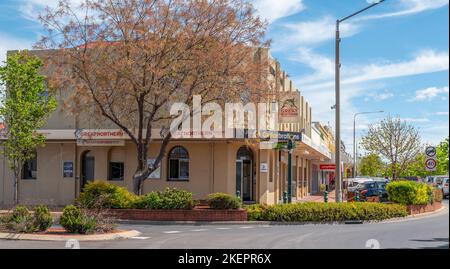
(430, 151)
(430, 164)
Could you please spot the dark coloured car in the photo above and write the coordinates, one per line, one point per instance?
(374, 188)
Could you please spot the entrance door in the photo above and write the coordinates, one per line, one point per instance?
(87, 169)
(247, 184)
(244, 180)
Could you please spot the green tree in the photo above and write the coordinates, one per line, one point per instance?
(395, 141)
(371, 165)
(442, 157)
(415, 167)
(26, 104)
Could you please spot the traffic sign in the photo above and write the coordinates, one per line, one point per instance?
(430, 151)
(430, 164)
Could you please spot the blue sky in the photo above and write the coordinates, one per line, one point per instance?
(394, 56)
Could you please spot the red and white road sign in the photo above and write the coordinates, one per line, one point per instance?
(430, 164)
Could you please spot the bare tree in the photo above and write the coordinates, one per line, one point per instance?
(394, 140)
(131, 59)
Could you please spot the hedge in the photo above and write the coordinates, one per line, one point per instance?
(105, 195)
(409, 192)
(170, 198)
(101, 194)
(325, 212)
(223, 201)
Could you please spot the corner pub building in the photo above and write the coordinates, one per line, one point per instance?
(78, 150)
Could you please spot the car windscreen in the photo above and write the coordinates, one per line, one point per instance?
(370, 185)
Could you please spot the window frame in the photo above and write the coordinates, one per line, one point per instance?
(178, 161)
(34, 159)
(110, 178)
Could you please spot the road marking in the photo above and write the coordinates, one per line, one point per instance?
(140, 237)
(171, 232)
(223, 228)
(198, 230)
(246, 227)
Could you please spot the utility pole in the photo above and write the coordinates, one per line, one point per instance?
(338, 104)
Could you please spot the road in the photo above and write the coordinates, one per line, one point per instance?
(423, 232)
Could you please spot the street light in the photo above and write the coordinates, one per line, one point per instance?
(354, 141)
(338, 104)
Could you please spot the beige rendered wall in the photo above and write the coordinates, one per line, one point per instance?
(49, 187)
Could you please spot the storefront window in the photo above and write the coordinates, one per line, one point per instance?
(29, 170)
(178, 164)
(116, 171)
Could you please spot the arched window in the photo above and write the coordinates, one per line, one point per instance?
(178, 164)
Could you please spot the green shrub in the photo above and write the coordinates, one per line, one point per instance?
(20, 214)
(42, 218)
(20, 220)
(151, 200)
(74, 220)
(326, 212)
(224, 201)
(409, 192)
(176, 199)
(255, 212)
(101, 194)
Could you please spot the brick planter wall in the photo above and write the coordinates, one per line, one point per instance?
(180, 215)
(417, 209)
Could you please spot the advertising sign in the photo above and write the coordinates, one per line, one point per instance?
(328, 167)
(68, 169)
(289, 105)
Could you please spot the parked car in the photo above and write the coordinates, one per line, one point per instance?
(413, 178)
(369, 188)
(445, 187)
(374, 188)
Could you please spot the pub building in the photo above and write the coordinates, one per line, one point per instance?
(78, 151)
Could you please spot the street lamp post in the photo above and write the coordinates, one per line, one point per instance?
(355, 172)
(338, 104)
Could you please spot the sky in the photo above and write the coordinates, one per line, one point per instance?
(394, 56)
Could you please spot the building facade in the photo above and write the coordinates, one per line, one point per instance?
(79, 150)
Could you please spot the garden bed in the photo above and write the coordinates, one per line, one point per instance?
(419, 209)
(196, 214)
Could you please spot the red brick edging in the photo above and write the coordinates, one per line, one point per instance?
(418, 209)
(180, 215)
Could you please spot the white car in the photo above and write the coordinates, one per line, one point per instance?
(445, 187)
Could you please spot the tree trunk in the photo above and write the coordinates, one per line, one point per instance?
(16, 185)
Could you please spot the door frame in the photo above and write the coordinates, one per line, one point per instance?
(83, 180)
(251, 179)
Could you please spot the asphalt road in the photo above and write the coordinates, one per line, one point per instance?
(423, 232)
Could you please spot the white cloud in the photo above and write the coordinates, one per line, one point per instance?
(442, 113)
(429, 93)
(272, 10)
(12, 43)
(408, 7)
(30, 9)
(308, 33)
(428, 61)
(379, 96)
(415, 119)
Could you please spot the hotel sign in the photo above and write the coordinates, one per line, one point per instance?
(100, 134)
(289, 107)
